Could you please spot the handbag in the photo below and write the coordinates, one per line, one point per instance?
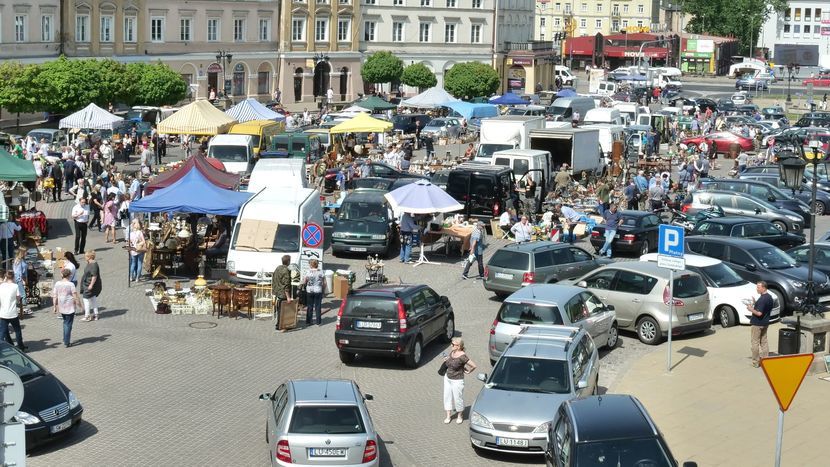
(442, 370)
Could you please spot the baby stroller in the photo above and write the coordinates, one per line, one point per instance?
(32, 288)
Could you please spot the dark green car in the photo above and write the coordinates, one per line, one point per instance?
(364, 224)
(294, 145)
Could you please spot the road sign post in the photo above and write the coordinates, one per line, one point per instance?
(784, 375)
(670, 255)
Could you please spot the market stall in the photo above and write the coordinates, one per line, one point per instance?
(197, 118)
(375, 104)
(362, 123)
(21, 176)
(508, 99)
(90, 117)
(470, 110)
(429, 99)
(199, 163)
(251, 109)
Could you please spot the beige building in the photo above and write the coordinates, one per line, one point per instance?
(593, 16)
(29, 31)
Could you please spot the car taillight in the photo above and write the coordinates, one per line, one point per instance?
(339, 314)
(401, 316)
(528, 277)
(493, 326)
(685, 208)
(486, 272)
(283, 451)
(629, 237)
(666, 293)
(496, 209)
(370, 452)
(594, 234)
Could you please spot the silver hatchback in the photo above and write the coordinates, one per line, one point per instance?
(320, 422)
(552, 305)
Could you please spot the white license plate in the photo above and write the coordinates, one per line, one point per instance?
(695, 316)
(61, 426)
(367, 324)
(501, 275)
(617, 236)
(357, 248)
(326, 452)
(513, 442)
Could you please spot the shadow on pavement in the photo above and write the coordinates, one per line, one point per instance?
(41, 344)
(689, 352)
(105, 313)
(59, 228)
(75, 435)
(90, 340)
(383, 453)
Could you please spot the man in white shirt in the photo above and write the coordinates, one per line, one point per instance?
(504, 222)
(8, 230)
(44, 147)
(80, 214)
(522, 230)
(9, 314)
(106, 152)
(330, 96)
(390, 156)
(571, 218)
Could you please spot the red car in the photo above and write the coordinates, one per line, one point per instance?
(819, 81)
(722, 141)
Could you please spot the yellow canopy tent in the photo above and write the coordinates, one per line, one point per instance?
(361, 123)
(197, 118)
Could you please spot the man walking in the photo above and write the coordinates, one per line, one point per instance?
(281, 287)
(476, 251)
(9, 295)
(408, 228)
(80, 214)
(759, 322)
(612, 219)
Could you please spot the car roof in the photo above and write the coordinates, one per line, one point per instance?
(324, 391)
(385, 290)
(366, 194)
(552, 294)
(698, 261)
(736, 241)
(534, 246)
(607, 417)
(543, 341)
(481, 168)
(642, 267)
(732, 220)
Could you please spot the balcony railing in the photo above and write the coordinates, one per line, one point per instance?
(534, 46)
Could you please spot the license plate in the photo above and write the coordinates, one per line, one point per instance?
(617, 236)
(61, 426)
(326, 452)
(357, 248)
(695, 316)
(513, 442)
(501, 275)
(367, 324)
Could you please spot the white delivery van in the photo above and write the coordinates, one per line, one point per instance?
(604, 115)
(563, 108)
(608, 133)
(564, 73)
(270, 225)
(607, 88)
(505, 132)
(278, 173)
(628, 110)
(235, 151)
(578, 147)
(523, 160)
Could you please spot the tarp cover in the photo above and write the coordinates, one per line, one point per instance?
(90, 117)
(215, 176)
(251, 109)
(431, 98)
(469, 110)
(508, 99)
(375, 104)
(13, 169)
(192, 193)
(361, 123)
(197, 118)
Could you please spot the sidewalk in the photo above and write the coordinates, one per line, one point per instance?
(717, 410)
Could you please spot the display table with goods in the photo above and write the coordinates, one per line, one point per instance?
(448, 233)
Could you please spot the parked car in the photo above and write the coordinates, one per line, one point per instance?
(49, 409)
(823, 182)
(406, 122)
(742, 204)
(54, 138)
(613, 429)
(552, 304)
(759, 189)
(748, 227)
(750, 83)
(821, 260)
(440, 178)
(726, 106)
(639, 292)
(442, 127)
(821, 80)
(482, 189)
(803, 193)
(741, 97)
(758, 261)
(541, 368)
(727, 289)
(722, 140)
(364, 223)
(320, 422)
(637, 234)
(392, 320)
(518, 264)
(381, 170)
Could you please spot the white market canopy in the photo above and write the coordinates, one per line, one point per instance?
(90, 117)
(431, 98)
(251, 109)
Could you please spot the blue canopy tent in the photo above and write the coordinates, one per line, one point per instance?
(469, 110)
(508, 99)
(251, 109)
(192, 193)
(566, 92)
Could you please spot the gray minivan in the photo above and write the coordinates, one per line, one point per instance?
(563, 108)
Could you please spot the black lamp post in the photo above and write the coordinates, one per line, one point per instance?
(224, 58)
(790, 67)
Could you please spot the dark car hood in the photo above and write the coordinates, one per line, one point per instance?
(359, 227)
(800, 273)
(43, 392)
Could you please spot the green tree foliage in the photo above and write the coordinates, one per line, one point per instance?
(740, 18)
(156, 84)
(65, 85)
(419, 76)
(17, 94)
(471, 79)
(381, 67)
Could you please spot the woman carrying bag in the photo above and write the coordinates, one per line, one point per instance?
(457, 364)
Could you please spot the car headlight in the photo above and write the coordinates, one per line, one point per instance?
(378, 236)
(26, 418)
(794, 218)
(480, 420)
(73, 401)
(798, 284)
(338, 235)
(231, 266)
(543, 428)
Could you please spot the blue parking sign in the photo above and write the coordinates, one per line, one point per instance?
(670, 241)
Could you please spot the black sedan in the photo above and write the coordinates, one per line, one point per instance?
(821, 259)
(748, 227)
(49, 409)
(378, 169)
(637, 234)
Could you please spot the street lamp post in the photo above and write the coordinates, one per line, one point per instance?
(789, 82)
(224, 58)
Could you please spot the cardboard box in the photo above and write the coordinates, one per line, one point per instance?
(46, 254)
(341, 287)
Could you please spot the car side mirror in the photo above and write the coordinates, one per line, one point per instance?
(368, 397)
(582, 284)
(758, 211)
(481, 377)
(750, 267)
(445, 300)
(582, 384)
(771, 199)
(265, 397)
(610, 308)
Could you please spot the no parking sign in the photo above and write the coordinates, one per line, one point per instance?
(312, 235)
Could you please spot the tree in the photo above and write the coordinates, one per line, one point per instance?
(157, 84)
(381, 67)
(740, 18)
(66, 85)
(471, 79)
(17, 95)
(419, 76)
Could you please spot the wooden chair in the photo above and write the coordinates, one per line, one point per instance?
(243, 298)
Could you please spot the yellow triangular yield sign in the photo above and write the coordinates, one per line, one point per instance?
(785, 375)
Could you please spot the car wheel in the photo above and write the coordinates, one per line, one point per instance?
(645, 248)
(726, 316)
(782, 303)
(347, 357)
(449, 329)
(820, 208)
(414, 358)
(780, 225)
(649, 331)
(613, 337)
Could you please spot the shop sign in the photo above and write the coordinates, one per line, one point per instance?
(697, 54)
(825, 30)
(214, 68)
(522, 61)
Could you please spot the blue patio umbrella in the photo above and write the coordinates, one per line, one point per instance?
(508, 99)
(422, 197)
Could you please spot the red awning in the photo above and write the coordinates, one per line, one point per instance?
(653, 52)
(579, 46)
(217, 177)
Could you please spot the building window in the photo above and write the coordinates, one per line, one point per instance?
(46, 33)
(796, 29)
(583, 23)
(424, 32)
(583, 8)
(298, 29)
(106, 27)
(20, 28)
(599, 7)
(81, 28)
(567, 8)
(157, 29)
(477, 3)
(426, 2)
(557, 7)
(397, 32)
(625, 24)
(185, 34)
(370, 2)
(345, 2)
(542, 22)
(542, 36)
(239, 30)
(213, 29)
(263, 79)
(344, 29)
(369, 31)
(798, 14)
(129, 28)
(599, 24)
(556, 23)
(321, 30)
(640, 8)
(475, 34)
(449, 33)
(817, 16)
(615, 25)
(398, 2)
(806, 30)
(450, 3)
(786, 30)
(625, 9)
(807, 15)
(639, 23)
(264, 29)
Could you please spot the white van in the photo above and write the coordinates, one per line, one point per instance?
(270, 225)
(563, 108)
(523, 160)
(278, 173)
(235, 151)
(628, 110)
(607, 88)
(564, 73)
(608, 133)
(604, 115)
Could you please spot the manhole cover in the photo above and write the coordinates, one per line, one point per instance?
(202, 325)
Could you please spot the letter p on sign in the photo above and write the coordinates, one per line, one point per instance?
(670, 241)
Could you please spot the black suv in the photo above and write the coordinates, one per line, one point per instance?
(364, 224)
(395, 320)
(748, 227)
(614, 429)
(482, 189)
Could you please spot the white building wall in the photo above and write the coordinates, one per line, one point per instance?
(789, 35)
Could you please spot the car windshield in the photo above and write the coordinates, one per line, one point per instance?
(38, 136)
(508, 259)
(530, 375)
(362, 211)
(722, 275)
(689, 286)
(229, 153)
(528, 313)
(771, 257)
(256, 235)
(487, 149)
(19, 363)
(557, 110)
(367, 305)
(326, 419)
(619, 452)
